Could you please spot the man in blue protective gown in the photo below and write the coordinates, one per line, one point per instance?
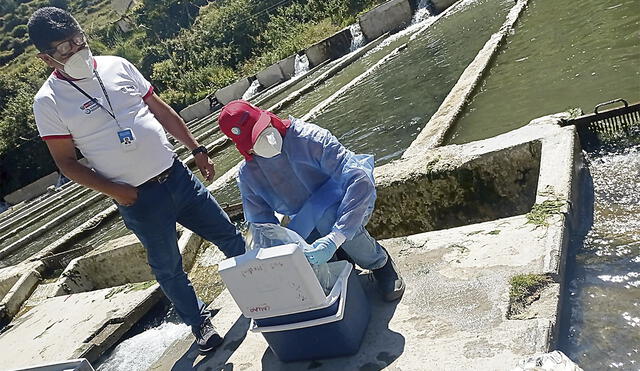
(300, 170)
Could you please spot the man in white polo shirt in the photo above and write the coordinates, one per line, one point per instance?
(104, 107)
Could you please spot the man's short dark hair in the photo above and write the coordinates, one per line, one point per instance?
(50, 24)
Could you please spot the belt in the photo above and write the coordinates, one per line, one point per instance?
(160, 178)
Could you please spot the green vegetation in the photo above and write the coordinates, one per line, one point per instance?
(142, 285)
(540, 212)
(525, 289)
(136, 286)
(187, 49)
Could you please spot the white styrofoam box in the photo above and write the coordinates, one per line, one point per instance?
(272, 281)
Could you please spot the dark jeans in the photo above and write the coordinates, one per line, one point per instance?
(184, 199)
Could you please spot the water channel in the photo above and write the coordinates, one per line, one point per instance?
(564, 54)
(601, 323)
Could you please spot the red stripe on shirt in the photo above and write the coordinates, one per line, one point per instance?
(61, 136)
(149, 92)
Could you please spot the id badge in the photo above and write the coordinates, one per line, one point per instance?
(127, 140)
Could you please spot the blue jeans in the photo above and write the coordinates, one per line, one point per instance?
(363, 249)
(184, 199)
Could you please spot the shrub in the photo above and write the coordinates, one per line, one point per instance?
(19, 31)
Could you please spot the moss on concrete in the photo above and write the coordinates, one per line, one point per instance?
(540, 212)
(142, 285)
(136, 286)
(206, 280)
(525, 289)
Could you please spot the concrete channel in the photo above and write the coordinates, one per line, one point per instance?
(462, 220)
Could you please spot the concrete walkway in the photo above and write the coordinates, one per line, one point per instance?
(452, 316)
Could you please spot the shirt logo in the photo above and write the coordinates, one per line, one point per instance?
(89, 106)
(128, 89)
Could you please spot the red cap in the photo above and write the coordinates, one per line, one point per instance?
(243, 122)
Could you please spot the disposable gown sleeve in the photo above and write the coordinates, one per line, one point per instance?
(256, 210)
(341, 164)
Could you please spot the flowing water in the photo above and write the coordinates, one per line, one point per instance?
(602, 308)
(253, 90)
(385, 112)
(357, 37)
(146, 341)
(563, 54)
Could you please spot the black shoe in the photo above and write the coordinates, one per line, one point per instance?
(207, 337)
(389, 281)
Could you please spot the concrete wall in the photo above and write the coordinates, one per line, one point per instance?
(440, 5)
(196, 110)
(34, 189)
(233, 91)
(446, 189)
(271, 75)
(329, 48)
(388, 17)
(118, 262)
(288, 66)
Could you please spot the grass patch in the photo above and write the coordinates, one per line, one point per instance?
(142, 285)
(494, 232)
(524, 290)
(540, 212)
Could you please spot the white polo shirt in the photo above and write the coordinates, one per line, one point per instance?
(61, 111)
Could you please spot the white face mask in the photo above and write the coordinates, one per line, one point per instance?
(80, 65)
(269, 143)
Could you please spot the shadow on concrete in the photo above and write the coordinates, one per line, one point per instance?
(380, 347)
(215, 360)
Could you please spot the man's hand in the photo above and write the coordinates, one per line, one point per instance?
(205, 166)
(124, 194)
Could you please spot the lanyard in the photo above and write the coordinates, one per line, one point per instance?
(94, 100)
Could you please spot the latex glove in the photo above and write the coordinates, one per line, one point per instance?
(323, 248)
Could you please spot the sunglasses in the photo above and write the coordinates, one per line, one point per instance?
(65, 47)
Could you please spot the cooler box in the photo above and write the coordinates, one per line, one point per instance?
(335, 335)
(272, 281)
(340, 273)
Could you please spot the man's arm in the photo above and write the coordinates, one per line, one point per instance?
(174, 124)
(64, 154)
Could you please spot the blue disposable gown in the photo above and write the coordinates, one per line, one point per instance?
(313, 173)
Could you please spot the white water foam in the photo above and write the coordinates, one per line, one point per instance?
(422, 19)
(357, 37)
(423, 11)
(301, 65)
(253, 89)
(142, 350)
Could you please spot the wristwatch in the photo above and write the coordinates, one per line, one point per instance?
(199, 149)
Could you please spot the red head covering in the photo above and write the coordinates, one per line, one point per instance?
(243, 122)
